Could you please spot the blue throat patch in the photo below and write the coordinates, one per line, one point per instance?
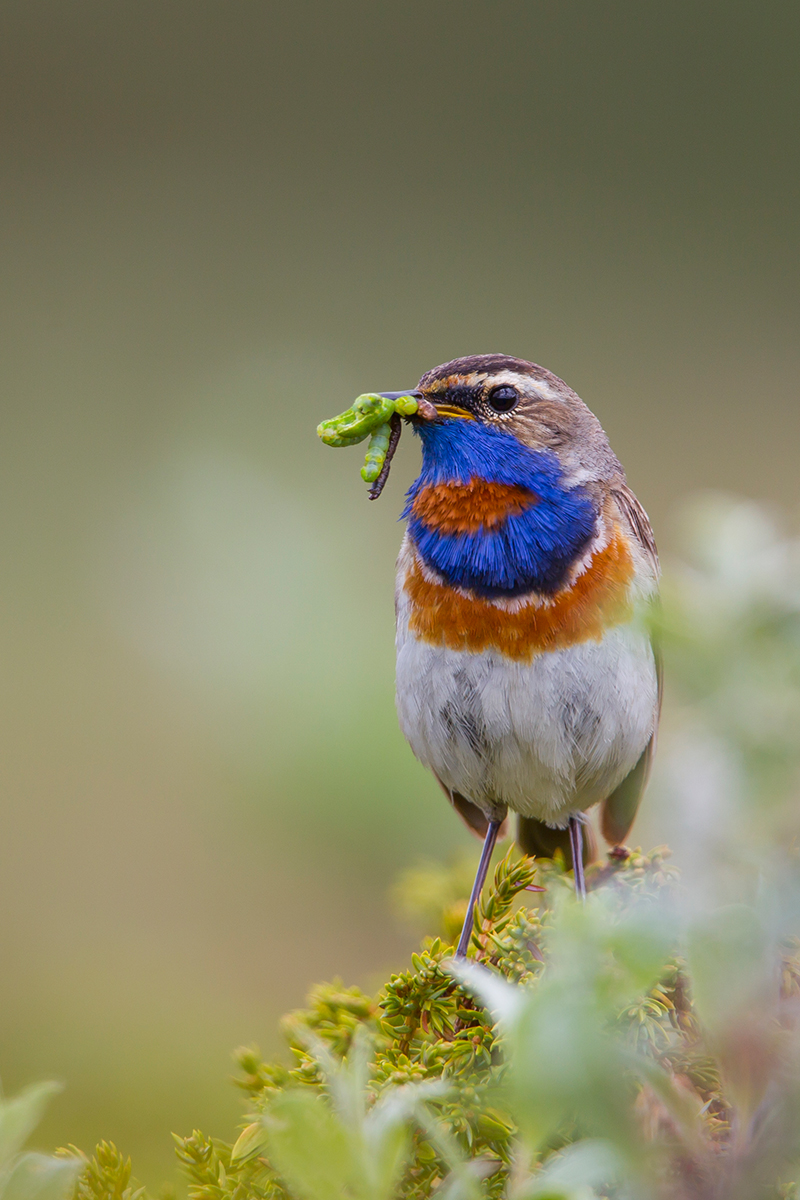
(528, 551)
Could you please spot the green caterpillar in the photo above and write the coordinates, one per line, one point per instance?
(370, 416)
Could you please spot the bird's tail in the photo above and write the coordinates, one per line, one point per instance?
(541, 841)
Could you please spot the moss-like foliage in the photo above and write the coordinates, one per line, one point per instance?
(106, 1174)
(566, 1060)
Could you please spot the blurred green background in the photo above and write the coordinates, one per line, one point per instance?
(222, 221)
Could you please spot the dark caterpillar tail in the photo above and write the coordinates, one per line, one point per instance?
(540, 841)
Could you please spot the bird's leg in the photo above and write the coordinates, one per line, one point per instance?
(576, 845)
(483, 867)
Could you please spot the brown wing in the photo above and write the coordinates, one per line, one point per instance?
(638, 520)
(618, 811)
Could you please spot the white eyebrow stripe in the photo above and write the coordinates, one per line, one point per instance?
(525, 384)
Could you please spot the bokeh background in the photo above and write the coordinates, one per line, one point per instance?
(220, 222)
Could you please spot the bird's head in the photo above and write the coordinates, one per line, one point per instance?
(471, 407)
(513, 475)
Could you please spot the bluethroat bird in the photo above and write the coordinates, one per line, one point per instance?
(526, 675)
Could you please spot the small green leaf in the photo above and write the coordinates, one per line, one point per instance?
(249, 1142)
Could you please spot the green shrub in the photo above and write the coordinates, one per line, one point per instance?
(566, 1059)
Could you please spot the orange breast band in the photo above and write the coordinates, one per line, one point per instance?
(470, 507)
(598, 599)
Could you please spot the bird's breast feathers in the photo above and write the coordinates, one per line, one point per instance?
(541, 699)
(463, 531)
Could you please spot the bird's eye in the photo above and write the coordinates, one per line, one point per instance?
(503, 398)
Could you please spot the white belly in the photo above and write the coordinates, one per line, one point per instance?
(547, 737)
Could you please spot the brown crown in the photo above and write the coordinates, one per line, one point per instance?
(483, 364)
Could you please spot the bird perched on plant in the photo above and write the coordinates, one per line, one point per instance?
(526, 676)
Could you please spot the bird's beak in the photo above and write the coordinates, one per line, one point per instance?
(428, 411)
(453, 412)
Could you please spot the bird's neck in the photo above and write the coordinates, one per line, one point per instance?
(493, 516)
